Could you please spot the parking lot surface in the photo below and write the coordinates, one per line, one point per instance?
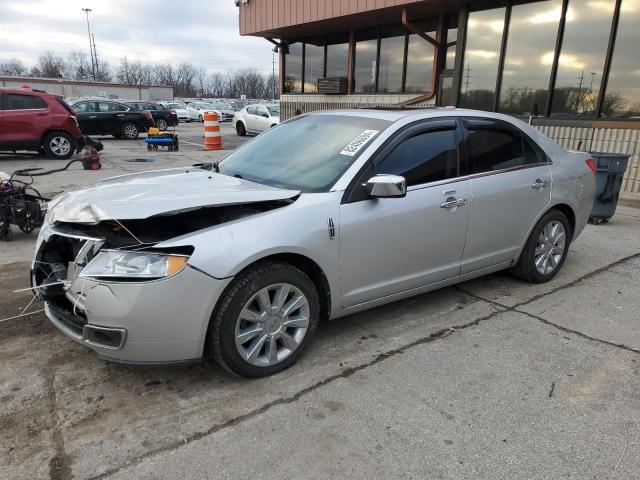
(493, 378)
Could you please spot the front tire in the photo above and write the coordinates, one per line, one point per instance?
(546, 249)
(264, 320)
(59, 145)
(240, 130)
(200, 119)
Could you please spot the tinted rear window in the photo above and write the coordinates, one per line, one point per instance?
(16, 101)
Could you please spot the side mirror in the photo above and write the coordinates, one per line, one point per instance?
(265, 115)
(386, 186)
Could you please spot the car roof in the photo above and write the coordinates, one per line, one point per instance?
(395, 114)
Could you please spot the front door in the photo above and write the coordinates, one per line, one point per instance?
(510, 188)
(392, 245)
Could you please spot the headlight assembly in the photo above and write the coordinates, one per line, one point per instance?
(120, 264)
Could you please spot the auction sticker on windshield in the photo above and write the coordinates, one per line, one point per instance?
(357, 143)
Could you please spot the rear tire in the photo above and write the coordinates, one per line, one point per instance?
(227, 348)
(130, 131)
(162, 124)
(546, 249)
(240, 130)
(59, 145)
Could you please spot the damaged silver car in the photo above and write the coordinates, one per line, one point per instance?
(325, 215)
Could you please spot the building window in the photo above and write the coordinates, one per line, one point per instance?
(531, 44)
(481, 59)
(293, 69)
(391, 67)
(622, 98)
(313, 66)
(337, 57)
(452, 36)
(581, 62)
(366, 62)
(420, 55)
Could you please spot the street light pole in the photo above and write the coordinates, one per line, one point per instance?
(93, 65)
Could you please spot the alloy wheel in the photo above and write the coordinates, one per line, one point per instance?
(60, 146)
(130, 131)
(550, 247)
(272, 324)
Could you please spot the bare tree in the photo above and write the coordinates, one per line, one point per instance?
(13, 67)
(217, 84)
(79, 66)
(201, 81)
(165, 74)
(185, 76)
(51, 65)
(135, 73)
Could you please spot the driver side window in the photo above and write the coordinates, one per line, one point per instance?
(425, 157)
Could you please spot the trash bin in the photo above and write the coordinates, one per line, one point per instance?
(610, 168)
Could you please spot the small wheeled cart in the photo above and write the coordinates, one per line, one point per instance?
(160, 140)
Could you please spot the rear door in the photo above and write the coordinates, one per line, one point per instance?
(26, 118)
(392, 245)
(87, 115)
(510, 186)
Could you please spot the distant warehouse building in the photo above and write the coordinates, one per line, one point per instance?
(81, 88)
(574, 65)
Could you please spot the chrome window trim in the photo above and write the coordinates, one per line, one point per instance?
(475, 175)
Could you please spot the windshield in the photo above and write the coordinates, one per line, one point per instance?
(274, 111)
(307, 153)
(221, 106)
(175, 105)
(204, 106)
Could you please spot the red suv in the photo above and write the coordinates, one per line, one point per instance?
(36, 120)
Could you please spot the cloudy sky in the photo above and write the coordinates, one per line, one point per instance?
(204, 32)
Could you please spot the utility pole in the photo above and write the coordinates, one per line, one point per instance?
(95, 56)
(93, 65)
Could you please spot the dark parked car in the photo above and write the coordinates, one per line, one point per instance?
(36, 120)
(163, 117)
(106, 117)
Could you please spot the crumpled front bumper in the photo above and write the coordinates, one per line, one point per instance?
(159, 321)
(163, 321)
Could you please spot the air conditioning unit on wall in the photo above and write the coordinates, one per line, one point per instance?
(333, 85)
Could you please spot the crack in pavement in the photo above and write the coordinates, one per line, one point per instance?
(568, 285)
(60, 463)
(443, 333)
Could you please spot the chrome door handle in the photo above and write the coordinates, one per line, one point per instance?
(541, 183)
(454, 202)
(93, 116)
(121, 115)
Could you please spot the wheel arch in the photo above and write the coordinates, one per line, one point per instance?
(48, 132)
(309, 266)
(569, 212)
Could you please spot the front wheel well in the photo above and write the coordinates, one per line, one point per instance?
(313, 271)
(569, 213)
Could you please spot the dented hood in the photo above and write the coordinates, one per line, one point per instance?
(143, 195)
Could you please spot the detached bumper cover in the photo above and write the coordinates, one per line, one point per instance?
(150, 322)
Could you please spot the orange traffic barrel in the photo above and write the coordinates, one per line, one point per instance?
(212, 136)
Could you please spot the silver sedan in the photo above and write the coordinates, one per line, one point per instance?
(325, 215)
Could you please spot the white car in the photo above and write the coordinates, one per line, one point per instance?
(196, 110)
(180, 108)
(256, 118)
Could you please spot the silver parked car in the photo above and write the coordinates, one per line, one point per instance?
(324, 215)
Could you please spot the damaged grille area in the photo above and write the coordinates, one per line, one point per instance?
(57, 262)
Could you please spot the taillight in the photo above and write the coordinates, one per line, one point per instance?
(148, 115)
(591, 164)
(173, 112)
